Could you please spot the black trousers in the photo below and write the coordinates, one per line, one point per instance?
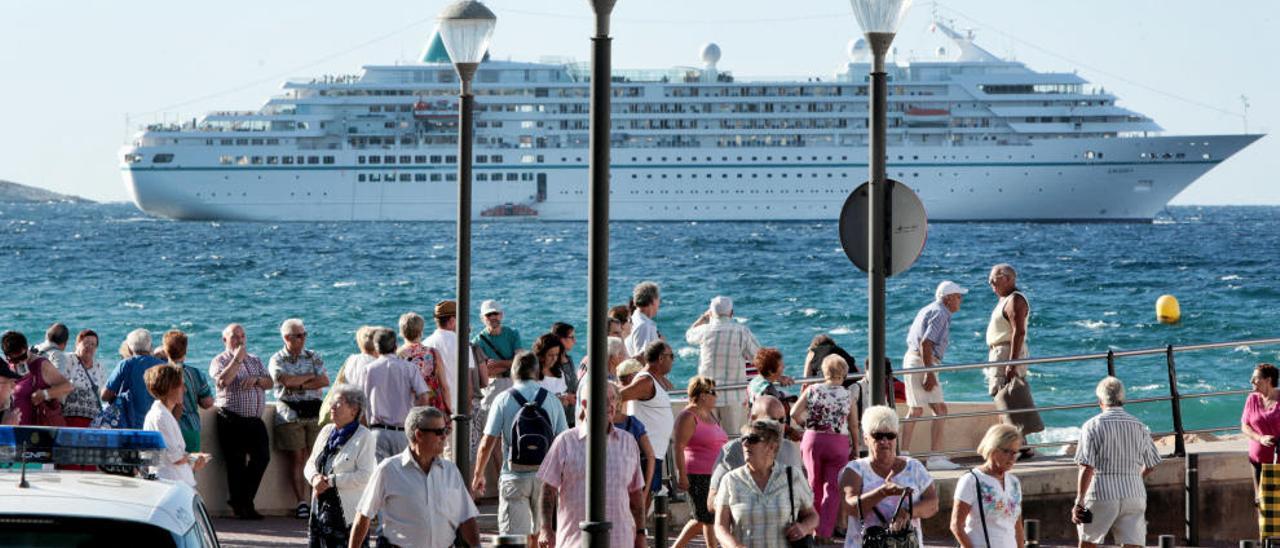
(245, 446)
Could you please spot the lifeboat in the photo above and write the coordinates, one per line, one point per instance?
(510, 211)
(918, 111)
(423, 110)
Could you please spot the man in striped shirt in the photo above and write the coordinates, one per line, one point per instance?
(725, 346)
(1115, 453)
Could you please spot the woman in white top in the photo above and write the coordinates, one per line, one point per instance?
(368, 353)
(875, 486)
(548, 349)
(647, 399)
(341, 463)
(988, 500)
(164, 382)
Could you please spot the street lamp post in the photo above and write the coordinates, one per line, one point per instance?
(596, 527)
(879, 20)
(465, 28)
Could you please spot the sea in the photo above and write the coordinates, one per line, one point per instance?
(1092, 287)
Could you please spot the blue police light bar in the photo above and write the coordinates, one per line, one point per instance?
(83, 446)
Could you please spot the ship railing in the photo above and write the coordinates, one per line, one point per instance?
(1175, 396)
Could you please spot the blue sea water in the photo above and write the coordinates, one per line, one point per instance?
(1091, 286)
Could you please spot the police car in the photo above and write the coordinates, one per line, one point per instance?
(40, 506)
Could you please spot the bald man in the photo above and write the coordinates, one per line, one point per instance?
(731, 456)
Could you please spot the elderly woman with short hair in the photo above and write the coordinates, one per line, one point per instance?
(340, 465)
(368, 353)
(425, 358)
(987, 509)
(830, 419)
(1260, 421)
(875, 486)
(763, 503)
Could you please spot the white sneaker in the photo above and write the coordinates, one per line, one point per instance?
(940, 463)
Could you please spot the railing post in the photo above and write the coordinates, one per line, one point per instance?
(1248, 543)
(1166, 541)
(514, 541)
(1192, 494)
(1031, 530)
(1111, 363)
(1179, 444)
(661, 511)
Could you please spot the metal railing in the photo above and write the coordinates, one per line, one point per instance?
(1174, 398)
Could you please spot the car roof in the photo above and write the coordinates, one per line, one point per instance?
(98, 495)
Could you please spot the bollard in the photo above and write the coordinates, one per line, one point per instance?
(515, 541)
(1031, 530)
(1249, 543)
(1192, 494)
(1167, 541)
(660, 515)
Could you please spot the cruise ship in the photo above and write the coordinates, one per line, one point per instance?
(977, 137)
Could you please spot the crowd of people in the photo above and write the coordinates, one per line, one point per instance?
(761, 466)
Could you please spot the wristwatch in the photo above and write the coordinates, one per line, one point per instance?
(643, 531)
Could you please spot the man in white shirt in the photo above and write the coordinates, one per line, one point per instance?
(725, 348)
(54, 347)
(420, 497)
(643, 331)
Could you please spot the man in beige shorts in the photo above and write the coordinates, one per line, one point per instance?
(927, 341)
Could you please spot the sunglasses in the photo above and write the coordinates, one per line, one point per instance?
(302, 335)
(711, 392)
(437, 431)
(884, 436)
(1008, 452)
(752, 439)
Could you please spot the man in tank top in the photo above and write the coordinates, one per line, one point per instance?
(1007, 340)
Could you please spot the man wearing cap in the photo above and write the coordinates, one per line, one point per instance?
(725, 348)
(926, 344)
(499, 344)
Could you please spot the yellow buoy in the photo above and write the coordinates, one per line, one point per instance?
(1167, 310)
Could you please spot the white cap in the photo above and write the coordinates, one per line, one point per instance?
(489, 306)
(721, 305)
(948, 287)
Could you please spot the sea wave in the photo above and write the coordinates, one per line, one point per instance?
(1053, 434)
(1095, 324)
(347, 283)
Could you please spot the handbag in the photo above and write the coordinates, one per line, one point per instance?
(880, 536)
(1016, 394)
(806, 541)
(1269, 499)
(49, 412)
(977, 486)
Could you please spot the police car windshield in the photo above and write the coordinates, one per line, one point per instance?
(58, 531)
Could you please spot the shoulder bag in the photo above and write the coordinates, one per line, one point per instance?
(881, 536)
(982, 514)
(806, 541)
(49, 412)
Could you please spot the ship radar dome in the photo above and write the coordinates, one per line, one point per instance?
(710, 54)
(857, 49)
(942, 52)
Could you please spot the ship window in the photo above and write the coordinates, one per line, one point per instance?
(256, 160)
(482, 176)
(328, 159)
(450, 159)
(313, 159)
(162, 158)
(435, 177)
(287, 160)
(256, 142)
(404, 177)
(496, 158)
(482, 159)
(273, 141)
(405, 160)
(375, 159)
(360, 159)
(451, 177)
(360, 178)
(302, 160)
(435, 159)
(242, 141)
(419, 159)
(224, 141)
(513, 176)
(273, 160)
(375, 177)
(388, 159)
(225, 159)
(419, 177)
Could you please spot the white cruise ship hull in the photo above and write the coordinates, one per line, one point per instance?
(1112, 179)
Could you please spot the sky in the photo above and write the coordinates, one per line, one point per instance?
(76, 75)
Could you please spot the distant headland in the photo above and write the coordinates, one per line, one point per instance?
(11, 192)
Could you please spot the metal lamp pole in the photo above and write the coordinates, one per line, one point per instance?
(596, 527)
(465, 29)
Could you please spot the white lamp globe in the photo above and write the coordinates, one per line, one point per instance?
(466, 27)
(880, 16)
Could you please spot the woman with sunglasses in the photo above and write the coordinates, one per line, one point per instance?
(763, 503)
(41, 382)
(341, 462)
(699, 439)
(875, 486)
(998, 521)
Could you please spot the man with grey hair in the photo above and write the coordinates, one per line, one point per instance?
(416, 493)
(519, 489)
(1007, 340)
(54, 347)
(617, 351)
(1114, 454)
(725, 348)
(299, 377)
(392, 386)
(127, 383)
(731, 455)
(241, 381)
(927, 342)
(647, 300)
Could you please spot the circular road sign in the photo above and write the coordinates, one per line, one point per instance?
(907, 233)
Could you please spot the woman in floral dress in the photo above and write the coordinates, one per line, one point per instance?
(425, 358)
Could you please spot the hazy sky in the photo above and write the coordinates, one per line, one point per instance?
(72, 72)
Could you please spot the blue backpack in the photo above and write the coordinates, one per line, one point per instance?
(531, 432)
